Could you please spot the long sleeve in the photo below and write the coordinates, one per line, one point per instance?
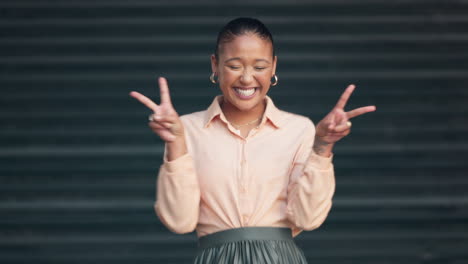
(311, 187)
(178, 194)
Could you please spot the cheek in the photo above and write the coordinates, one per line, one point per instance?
(228, 77)
(264, 79)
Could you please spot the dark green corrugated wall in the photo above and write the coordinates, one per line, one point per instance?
(78, 163)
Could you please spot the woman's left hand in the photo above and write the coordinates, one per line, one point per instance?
(336, 124)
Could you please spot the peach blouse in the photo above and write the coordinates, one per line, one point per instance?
(270, 178)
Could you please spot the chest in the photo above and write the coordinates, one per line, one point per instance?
(224, 161)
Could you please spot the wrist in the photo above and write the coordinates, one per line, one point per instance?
(176, 148)
(322, 147)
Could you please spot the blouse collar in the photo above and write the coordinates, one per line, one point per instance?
(272, 113)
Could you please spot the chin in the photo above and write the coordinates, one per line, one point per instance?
(248, 105)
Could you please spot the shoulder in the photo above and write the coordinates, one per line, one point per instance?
(287, 119)
(296, 121)
(195, 119)
(193, 127)
(301, 130)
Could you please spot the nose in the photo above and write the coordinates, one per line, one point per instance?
(246, 77)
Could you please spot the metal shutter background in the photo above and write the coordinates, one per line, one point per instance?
(78, 163)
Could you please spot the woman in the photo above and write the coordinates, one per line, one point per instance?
(246, 175)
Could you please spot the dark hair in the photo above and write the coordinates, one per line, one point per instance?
(241, 26)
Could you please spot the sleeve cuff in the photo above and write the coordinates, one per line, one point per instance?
(320, 162)
(182, 163)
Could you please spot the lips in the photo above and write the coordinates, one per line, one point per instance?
(245, 93)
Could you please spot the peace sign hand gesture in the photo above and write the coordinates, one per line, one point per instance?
(164, 121)
(336, 124)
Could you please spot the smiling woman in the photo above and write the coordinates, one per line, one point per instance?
(247, 176)
(245, 62)
(245, 66)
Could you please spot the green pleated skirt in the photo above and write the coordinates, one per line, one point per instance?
(259, 245)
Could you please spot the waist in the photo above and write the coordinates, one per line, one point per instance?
(245, 233)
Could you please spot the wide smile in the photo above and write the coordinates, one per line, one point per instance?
(245, 93)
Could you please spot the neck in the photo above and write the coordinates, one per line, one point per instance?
(236, 116)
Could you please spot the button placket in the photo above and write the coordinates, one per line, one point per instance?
(243, 189)
(243, 164)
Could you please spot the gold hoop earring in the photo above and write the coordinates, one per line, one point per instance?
(276, 80)
(212, 78)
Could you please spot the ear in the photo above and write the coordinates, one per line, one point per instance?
(214, 63)
(275, 59)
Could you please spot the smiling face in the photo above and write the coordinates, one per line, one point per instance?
(244, 68)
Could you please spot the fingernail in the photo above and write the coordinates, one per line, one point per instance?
(348, 123)
(157, 117)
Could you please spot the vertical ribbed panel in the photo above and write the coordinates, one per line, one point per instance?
(78, 163)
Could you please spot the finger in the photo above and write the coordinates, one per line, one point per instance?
(155, 125)
(338, 136)
(345, 96)
(144, 100)
(164, 91)
(342, 127)
(341, 134)
(166, 124)
(165, 135)
(360, 111)
(331, 122)
(164, 118)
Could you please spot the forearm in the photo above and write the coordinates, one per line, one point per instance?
(310, 196)
(322, 148)
(178, 192)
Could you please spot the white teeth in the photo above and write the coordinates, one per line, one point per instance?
(244, 92)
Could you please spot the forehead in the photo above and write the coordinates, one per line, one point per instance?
(247, 46)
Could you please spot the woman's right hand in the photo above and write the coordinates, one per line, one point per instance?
(166, 122)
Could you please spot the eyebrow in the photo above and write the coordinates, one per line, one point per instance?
(238, 58)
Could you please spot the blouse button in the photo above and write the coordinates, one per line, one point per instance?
(245, 218)
(243, 189)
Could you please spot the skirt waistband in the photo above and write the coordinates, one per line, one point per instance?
(245, 233)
